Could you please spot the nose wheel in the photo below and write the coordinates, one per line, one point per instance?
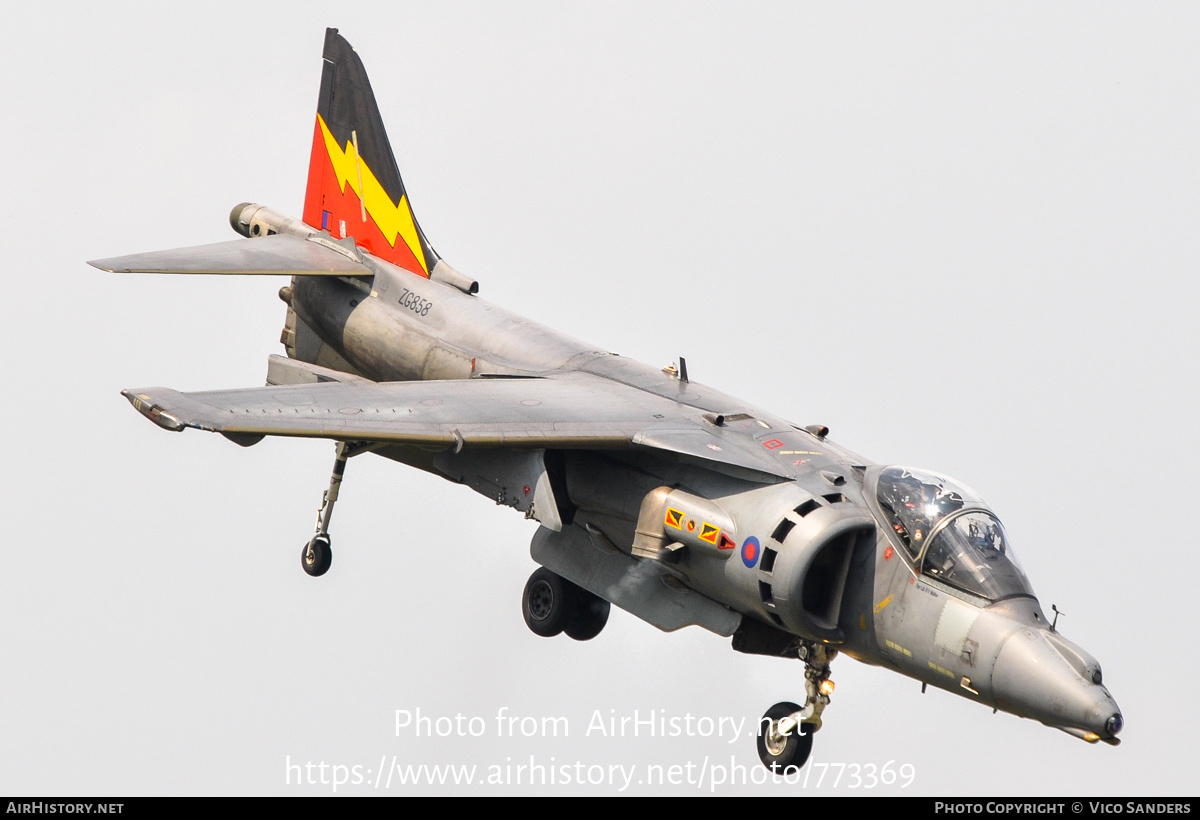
(784, 743)
(785, 733)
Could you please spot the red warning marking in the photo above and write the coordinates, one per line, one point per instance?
(888, 553)
(691, 526)
(526, 489)
(674, 518)
(773, 444)
(709, 533)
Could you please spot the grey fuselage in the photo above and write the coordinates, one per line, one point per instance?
(828, 566)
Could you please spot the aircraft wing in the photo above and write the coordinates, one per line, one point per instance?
(575, 410)
(280, 254)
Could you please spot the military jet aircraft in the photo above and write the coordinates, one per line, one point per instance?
(670, 499)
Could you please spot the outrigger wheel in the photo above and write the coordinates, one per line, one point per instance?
(783, 743)
(317, 555)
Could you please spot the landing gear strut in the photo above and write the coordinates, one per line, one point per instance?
(317, 554)
(785, 733)
(551, 605)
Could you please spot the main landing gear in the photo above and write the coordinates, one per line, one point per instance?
(317, 554)
(552, 604)
(785, 733)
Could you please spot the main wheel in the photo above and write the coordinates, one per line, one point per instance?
(547, 603)
(589, 616)
(781, 752)
(317, 555)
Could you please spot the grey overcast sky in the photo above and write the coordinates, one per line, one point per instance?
(963, 235)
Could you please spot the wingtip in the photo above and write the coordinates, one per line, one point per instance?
(146, 406)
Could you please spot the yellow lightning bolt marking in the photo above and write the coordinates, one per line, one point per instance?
(393, 220)
(362, 207)
(879, 606)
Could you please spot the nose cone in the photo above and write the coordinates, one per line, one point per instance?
(1039, 674)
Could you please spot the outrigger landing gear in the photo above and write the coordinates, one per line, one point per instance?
(785, 733)
(317, 554)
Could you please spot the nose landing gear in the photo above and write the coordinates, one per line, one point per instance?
(785, 733)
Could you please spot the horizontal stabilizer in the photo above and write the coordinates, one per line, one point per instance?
(268, 255)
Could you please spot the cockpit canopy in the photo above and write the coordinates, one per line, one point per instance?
(950, 533)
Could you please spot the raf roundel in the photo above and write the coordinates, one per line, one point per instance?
(750, 551)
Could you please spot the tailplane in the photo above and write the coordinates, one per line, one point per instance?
(354, 185)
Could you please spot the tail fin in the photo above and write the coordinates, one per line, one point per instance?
(354, 185)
